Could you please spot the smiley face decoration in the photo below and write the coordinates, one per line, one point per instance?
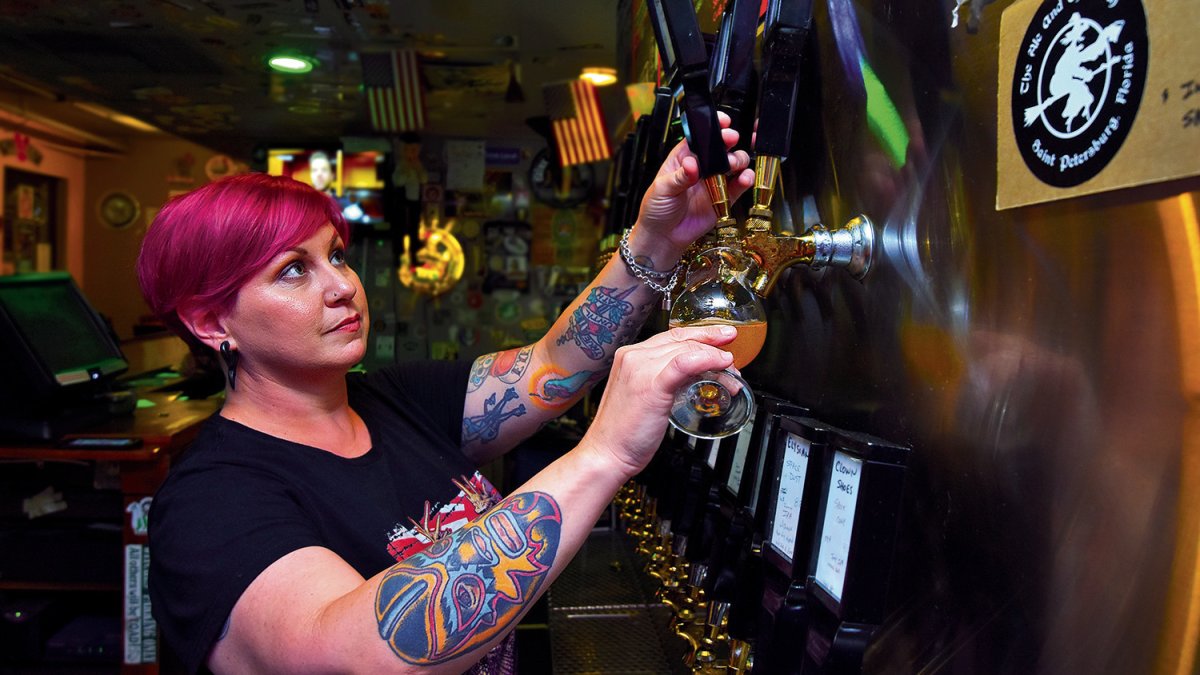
(439, 263)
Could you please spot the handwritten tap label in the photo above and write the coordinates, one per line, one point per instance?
(841, 503)
(789, 496)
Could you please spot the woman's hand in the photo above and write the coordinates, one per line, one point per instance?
(676, 209)
(632, 416)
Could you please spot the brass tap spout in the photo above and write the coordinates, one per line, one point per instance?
(692, 642)
(718, 193)
(712, 653)
(766, 173)
(851, 247)
(741, 658)
(675, 590)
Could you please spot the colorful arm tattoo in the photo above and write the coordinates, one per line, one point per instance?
(486, 426)
(466, 589)
(596, 321)
(509, 367)
(552, 389)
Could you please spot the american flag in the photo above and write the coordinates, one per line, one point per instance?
(578, 122)
(394, 95)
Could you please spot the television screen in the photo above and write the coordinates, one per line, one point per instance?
(57, 344)
(350, 178)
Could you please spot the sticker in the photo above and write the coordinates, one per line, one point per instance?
(385, 348)
(1093, 96)
(139, 516)
(1077, 86)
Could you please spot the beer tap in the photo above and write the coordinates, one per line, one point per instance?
(659, 555)
(732, 66)
(647, 528)
(682, 46)
(674, 590)
(688, 622)
(741, 658)
(712, 653)
(786, 27)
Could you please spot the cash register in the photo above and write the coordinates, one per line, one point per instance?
(61, 359)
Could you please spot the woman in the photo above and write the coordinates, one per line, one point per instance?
(333, 522)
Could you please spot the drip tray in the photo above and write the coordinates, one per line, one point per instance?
(603, 616)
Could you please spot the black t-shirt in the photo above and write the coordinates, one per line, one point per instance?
(239, 499)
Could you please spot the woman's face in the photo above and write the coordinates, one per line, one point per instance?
(305, 310)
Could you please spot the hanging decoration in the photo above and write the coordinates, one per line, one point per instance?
(21, 146)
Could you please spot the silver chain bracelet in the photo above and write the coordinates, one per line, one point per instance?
(661, 282)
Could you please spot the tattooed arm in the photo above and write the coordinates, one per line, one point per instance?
(511, 394)
(440, 610)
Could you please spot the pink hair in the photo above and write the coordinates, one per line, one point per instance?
(204, 245)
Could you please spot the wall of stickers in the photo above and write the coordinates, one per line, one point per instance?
(521, 260)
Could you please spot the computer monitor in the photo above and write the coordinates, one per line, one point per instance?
(59, 355)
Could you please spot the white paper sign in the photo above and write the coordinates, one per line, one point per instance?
(465, 165)
(712, 454)
(789, 495)
(133, 603)
(739, 459)
(839, 523)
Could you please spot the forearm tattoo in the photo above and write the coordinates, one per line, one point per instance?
(552, 389)
(595, 323)
(468, 588)
(485, 427)
(509, 367)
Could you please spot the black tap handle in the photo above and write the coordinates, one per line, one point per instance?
(622, 185)
(786, 26)
(732, 63)
(662, 37)
(651, 146)
(684, 48)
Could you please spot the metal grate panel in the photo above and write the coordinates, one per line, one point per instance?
(618, 641)
(603, 618)
(605, 572)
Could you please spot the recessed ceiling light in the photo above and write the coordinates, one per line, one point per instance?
(291, 63)
(599, 76)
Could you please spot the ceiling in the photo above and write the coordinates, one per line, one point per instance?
(196, 68)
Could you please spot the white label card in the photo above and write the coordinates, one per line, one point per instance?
(739, 459)
(789, 496)
(839, 523)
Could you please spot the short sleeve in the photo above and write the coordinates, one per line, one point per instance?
(213, 529)
(438, 389)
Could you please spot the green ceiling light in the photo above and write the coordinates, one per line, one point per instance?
(291, 63)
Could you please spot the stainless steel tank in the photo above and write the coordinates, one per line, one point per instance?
(1042, 361)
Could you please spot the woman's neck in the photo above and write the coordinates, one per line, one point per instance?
(317, 414)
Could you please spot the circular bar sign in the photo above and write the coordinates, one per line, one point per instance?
(1077, 86)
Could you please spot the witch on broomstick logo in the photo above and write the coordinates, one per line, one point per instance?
(1077, 86)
